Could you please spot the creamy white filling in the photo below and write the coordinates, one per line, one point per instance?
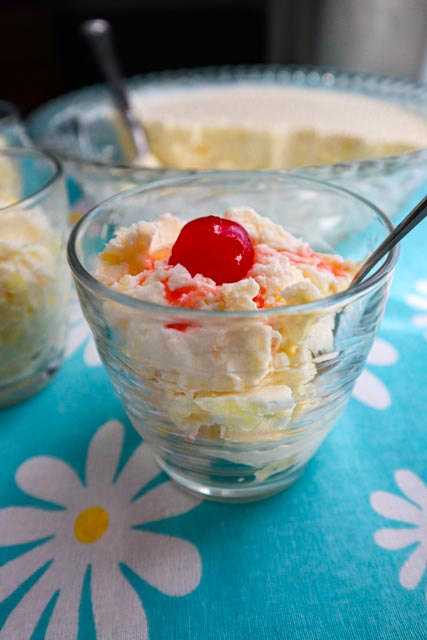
(33, 290)
(237, 379)
(248, 126)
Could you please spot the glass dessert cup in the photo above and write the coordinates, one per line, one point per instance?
(34, 278)
(80, 128)
(192, 382)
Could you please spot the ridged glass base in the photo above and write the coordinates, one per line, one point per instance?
(243, 493)
(22, 389)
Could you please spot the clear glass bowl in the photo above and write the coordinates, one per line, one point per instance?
(81, 129)
(34, 278)
(196, 384)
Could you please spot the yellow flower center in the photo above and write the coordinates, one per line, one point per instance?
(91, 524)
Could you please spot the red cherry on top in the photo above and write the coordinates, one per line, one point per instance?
(214, 247)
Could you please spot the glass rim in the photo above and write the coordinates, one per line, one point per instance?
(58, 172)
(97, 287)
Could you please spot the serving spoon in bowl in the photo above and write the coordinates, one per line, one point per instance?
(99, 35)
(413, 218)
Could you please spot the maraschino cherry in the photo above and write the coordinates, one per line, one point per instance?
(214, 247)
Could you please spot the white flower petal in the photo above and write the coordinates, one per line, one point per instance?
(412, 486)
(413, 569)
(48, 478)
(370, 391)
(172, 565)
(393, 539)
(421, 286)
(164, 501)
(15, 572)
(395, 508)
(25, 524)
(420, 321)
(76, 336)
(23, 619)
(382, 353)
(417, 302)
(138, 471)
(91, 355)
(104, 454)
(65, 616)
(117, 610)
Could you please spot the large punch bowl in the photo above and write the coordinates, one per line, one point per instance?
(82, 128)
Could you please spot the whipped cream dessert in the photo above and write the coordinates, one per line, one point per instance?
(240, 377)
(252, 126)
(33, 292)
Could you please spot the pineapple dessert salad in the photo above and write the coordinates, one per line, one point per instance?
(250, 126)
(33, 292)
(232, 353)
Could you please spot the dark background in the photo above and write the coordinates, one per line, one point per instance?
(42, 53)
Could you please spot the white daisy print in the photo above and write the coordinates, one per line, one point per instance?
(419, 302)
(96, 527)
(413, 513)
(79, 334)
(369, 389)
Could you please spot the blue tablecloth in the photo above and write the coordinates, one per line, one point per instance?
(95, 543)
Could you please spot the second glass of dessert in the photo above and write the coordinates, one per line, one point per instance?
(34, 279)
(220, 304)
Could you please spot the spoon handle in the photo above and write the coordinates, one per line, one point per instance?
(98, 34)
(413, 218)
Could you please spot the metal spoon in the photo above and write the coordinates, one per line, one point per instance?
(99, 35)
(413, 218)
